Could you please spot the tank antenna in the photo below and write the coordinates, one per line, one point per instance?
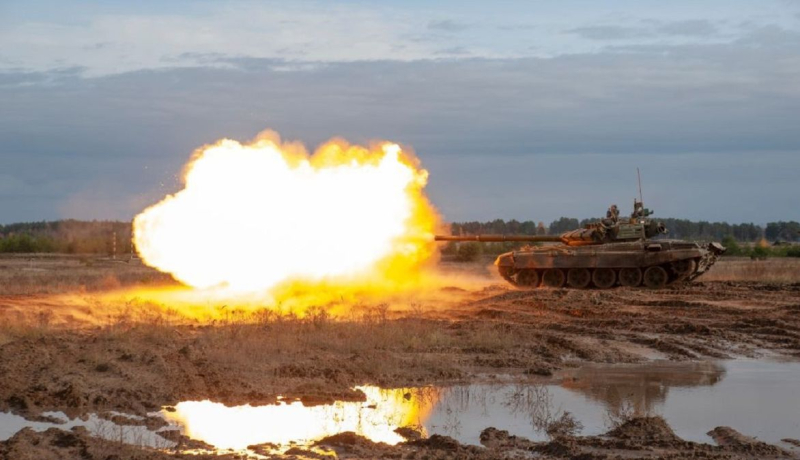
(639, 176)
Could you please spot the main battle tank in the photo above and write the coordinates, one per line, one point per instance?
(610, 252)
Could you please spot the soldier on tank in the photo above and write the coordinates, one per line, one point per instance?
(639, 211)
(612, 215)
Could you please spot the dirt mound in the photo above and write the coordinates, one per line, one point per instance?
(500, 439)
(492, 437)
(645, 430)
(296, 452)
(409, 432)
(561, 448)
(438, 442)
(438, 446)
(347, 438)
(731, 439)
(57, 444)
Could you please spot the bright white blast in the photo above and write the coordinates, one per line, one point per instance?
(254, 216)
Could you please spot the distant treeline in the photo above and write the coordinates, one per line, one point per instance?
(66, 236)
(678, 228)
(729, 234)
(103, 237)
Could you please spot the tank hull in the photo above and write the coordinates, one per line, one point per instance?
(608, 265)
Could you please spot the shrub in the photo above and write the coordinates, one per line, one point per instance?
(468, 252)
(24, 243)
(733, 248)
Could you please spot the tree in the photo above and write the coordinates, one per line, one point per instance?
(787, 231)
(562, 225)
(731, 246)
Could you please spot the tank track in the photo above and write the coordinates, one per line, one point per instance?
(653, 277)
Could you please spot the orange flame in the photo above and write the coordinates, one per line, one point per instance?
(255, 217)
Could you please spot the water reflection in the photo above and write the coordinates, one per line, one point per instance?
(137, 435)
(457, 411)
(757, 398)
(640, 389)
(238, 427)
(693, 397)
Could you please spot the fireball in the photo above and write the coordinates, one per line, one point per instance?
(255, 216)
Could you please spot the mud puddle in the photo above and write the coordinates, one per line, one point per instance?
(136, 435)
(757, 398)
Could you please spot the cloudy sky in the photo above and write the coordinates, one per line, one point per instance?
(527, 110)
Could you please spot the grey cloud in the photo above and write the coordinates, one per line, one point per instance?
(653, 29)
(12, 78)
(696, 28)
(197, 58)
(610, 32)
(453, 51)
(494, 133)
(447, 25)
(292, 51)
(96, 46)
(23, 77)
(772, 37)
(517, 27)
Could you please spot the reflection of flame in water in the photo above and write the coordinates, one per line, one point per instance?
(238, 427)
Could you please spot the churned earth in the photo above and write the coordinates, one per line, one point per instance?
(63, 349)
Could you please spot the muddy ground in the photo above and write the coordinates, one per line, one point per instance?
(99, 362)
(643, 437)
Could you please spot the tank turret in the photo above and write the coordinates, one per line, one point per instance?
(608, 230)
(609, 252)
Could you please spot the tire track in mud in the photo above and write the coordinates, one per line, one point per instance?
(702, 320)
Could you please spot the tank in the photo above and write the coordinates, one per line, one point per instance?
(615, 251)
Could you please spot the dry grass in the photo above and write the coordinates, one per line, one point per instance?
(367, 333)
(774, 270)
(32, 274)
(318, 348)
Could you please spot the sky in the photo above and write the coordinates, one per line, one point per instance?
(530, 110)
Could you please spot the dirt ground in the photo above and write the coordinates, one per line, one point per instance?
(63, 349)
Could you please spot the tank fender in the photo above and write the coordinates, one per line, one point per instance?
(716, 248)
(505, 260)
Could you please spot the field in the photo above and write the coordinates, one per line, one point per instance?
(77, 336)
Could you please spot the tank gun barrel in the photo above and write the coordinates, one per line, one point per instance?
(501, 238)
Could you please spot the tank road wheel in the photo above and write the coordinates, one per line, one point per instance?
(528, 278)
(507, 273)
(579, 278)
(630, 277)
(655, 277)
(554, 278)
(684, 268)
(604, 278)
